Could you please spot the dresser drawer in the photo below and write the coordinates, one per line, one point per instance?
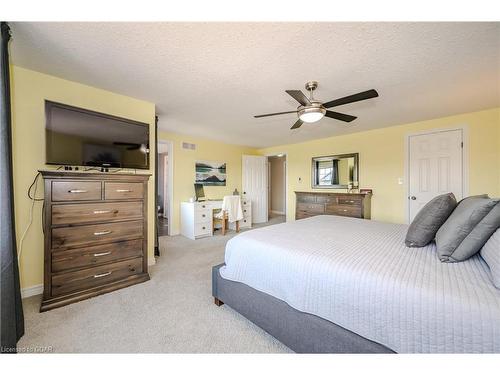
(202, 229)
(201, 206)
(311, 207)
(344, 210)
(326, 199)
(202, 216)
(94, 212)
(95, 255)
(76, 190)
(246, 222)
(349, 201)
(247, 211)
(303, 198)
(123, 190)
(96, 276)
(67, 237)
(303, 215)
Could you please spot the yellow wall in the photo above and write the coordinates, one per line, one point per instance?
(29, 90)
(381, 154)
(184, 169)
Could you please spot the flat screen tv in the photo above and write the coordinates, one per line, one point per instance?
(80, 137)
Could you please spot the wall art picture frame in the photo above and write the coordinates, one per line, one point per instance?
(210, 173)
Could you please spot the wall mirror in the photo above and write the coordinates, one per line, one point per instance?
(335, 171)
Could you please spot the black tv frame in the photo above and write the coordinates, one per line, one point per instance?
(50, 104)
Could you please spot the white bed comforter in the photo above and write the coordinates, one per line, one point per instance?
(360, 275)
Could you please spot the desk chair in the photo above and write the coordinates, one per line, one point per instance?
(231, 205)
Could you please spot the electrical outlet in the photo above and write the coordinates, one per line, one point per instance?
(400, 180)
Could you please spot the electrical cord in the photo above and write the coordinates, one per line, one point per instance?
(31, 187)
(33, 199)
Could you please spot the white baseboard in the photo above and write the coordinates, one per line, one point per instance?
(32, 291)
(277, 212)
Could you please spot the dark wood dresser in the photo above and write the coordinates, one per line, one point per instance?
(344, 204)
(95, 228)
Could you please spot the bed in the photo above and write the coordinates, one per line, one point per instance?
(345, 285)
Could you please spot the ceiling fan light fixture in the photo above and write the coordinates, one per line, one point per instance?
(313, 114)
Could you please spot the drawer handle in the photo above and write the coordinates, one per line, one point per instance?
(97, 212)
(204, 228)
(76, 191)
(123, 191)
(203, 215)
(344, 210)
(104, 232)
(102, 254)
(102, 275)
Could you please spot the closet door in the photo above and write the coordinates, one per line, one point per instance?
(255, 185)
(435, 167)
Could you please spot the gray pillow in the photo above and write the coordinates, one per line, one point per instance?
(491, 255)
(429, 219)
(467, 229)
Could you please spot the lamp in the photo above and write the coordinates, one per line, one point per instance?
(311, 114)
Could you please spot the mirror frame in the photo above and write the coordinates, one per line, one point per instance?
(339, 156)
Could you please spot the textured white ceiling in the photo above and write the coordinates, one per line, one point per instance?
(209, 79)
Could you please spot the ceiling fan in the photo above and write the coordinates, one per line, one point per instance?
(312, 110)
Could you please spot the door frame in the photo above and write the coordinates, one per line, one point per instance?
(286, 179)
(465, 161)
(170, 185)
(165, 188)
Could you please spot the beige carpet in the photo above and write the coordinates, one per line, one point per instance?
(172, 313)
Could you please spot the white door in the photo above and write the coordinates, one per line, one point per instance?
(255, 185)
(435, 167)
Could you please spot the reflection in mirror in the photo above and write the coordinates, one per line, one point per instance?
(335, 172)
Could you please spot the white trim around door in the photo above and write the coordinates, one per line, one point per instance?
(465, 161)
(286, 179)
(170, 182)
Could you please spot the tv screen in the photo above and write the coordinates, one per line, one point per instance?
(76, 136)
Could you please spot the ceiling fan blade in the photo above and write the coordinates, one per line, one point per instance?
(297, 125)
(352, 98)
(274, 114)
(340, 116)
(299, 96)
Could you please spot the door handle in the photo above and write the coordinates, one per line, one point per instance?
(413, 197)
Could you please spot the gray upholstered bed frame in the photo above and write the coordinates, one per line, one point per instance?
(301, 332)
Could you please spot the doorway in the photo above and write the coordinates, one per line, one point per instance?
(277, 186)
(436, 164)
(165, 186)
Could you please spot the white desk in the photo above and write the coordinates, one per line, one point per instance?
(197, 217)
